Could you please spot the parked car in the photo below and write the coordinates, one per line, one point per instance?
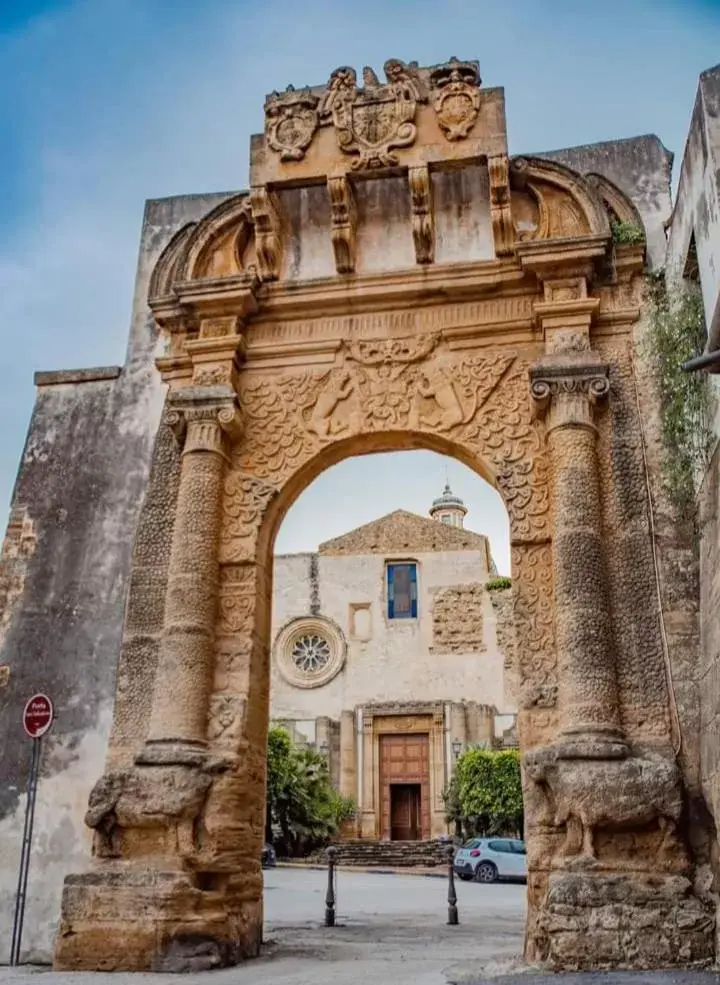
(490, 859)
(268, 858)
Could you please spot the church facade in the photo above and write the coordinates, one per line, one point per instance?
(390, 655)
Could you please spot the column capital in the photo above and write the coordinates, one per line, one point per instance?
(566, 392)
(204, 419)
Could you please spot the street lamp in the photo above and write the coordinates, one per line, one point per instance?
(457, 748)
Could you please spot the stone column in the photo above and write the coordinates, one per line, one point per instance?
(566, 391)
(178, 720)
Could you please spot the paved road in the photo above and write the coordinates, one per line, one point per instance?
(391, 930)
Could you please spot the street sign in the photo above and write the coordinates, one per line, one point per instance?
(38, 715)
(37, 718)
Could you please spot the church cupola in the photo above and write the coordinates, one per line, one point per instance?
(449, 508)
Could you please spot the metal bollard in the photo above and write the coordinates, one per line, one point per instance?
(330, 896)
(452, 895)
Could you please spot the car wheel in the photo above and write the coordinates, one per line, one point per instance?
(486, 872)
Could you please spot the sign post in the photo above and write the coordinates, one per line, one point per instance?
(38, 716)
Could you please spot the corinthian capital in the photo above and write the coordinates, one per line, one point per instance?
(566, 393)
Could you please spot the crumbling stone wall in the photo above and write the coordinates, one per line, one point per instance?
(458, 619)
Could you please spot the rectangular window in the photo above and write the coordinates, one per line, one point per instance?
(402, 591)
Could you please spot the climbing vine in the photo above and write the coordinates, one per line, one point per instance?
(677, 333)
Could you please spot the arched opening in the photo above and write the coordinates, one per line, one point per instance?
(393, 671)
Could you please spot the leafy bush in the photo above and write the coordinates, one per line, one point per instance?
(626, 232)
(303, 809)
(484, 796)
(498, 584)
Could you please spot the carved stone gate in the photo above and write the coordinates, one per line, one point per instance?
(392, 281)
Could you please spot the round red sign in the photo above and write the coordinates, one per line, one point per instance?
(38, 715)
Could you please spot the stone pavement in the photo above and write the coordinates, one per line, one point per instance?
(391, 930)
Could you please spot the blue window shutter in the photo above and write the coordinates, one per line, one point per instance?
(391, 591)
(413, 592)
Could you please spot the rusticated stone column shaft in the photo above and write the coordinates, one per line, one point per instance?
(178, 720)
(586, 659)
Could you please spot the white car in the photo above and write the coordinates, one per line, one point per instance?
(490, 859)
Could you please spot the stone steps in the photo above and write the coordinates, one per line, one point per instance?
(388, 854)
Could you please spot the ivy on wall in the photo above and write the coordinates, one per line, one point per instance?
(676, 333)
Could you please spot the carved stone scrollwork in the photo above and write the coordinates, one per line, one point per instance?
(371, 121)
(457, 100)
(500, 211)
(344, 223)
(291, 119)
(268, 243)
(423, 226)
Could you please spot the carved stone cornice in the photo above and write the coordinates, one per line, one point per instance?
(204, 419)
(566, 393)
(343, 215)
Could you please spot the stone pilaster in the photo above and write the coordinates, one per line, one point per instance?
(348, 775)
(567, 392)
(206, 423)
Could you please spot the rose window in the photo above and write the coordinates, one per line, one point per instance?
(311, 653)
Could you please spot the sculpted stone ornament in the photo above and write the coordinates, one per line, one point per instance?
(169, 799)
(617, 794)
(456, 97)
(372, 120)
(423, 225)
(291, 119)
(343, 216)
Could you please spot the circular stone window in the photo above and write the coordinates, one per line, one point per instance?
(310, 652)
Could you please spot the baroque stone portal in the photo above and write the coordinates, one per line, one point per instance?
(503, 338)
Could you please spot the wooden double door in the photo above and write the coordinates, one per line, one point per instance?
(405, 786)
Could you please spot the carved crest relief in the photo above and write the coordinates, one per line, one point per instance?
(370, 121)
(456, 97)
(291, 119)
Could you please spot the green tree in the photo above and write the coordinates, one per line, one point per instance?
(303, 809)
(485, 793)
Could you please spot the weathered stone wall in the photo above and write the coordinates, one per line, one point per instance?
(640, 167)
(63, 583)
(694, 251)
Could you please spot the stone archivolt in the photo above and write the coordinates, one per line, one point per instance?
(371, 362)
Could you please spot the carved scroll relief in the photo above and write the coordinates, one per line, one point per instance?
(423, 224)
(343, 215)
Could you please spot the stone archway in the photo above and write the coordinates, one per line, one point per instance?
(517, 362)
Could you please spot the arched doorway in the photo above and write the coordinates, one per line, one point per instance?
(295, 344)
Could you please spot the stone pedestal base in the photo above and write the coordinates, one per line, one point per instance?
(625, 921)
(120, 919)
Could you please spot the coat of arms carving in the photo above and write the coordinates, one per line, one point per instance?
(457, 100)
(291, 119)
(372, 120)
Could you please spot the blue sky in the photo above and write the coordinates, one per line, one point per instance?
(104, 103)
